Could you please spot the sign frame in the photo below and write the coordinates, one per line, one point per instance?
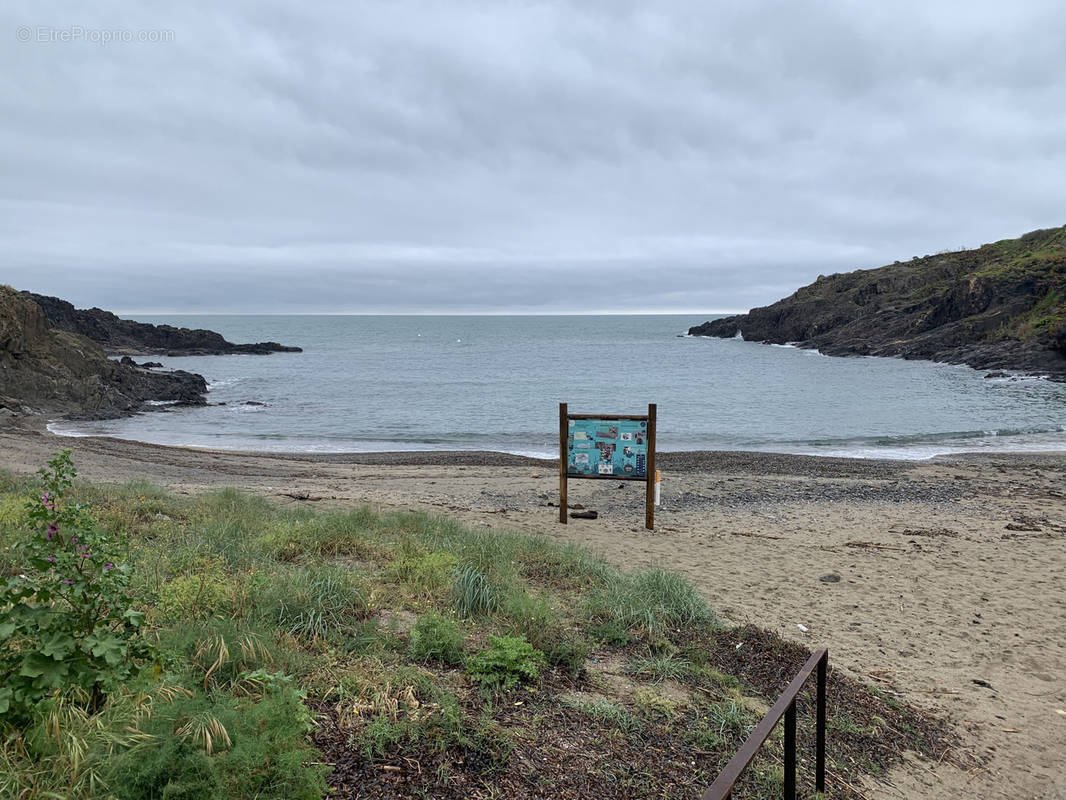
(648, 478)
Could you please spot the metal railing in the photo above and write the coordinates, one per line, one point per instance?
(785, 707)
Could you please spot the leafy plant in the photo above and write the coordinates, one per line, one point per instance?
(474, 594)
(437, 638)
(507, 661)
(66, 620)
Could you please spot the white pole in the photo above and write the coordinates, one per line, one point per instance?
(658, 483)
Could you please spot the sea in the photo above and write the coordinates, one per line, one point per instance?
(393, 383)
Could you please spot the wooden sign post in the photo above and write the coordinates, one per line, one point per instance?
(617, 447)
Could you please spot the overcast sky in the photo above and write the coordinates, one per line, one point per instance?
(594, 155)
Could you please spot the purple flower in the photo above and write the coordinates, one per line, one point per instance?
(108, 565)
(52, 559)
(84, 555)
(73, 539)
(68, 581)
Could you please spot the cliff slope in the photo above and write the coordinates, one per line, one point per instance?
(118, 335)
(1000, 306)
(46, 370)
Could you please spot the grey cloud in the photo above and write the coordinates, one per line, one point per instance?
(391, 156)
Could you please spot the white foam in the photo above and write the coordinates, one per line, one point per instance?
(58, 430)
(222, 383)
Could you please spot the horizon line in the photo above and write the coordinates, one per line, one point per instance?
(157, 312)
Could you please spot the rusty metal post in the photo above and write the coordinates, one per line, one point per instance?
(790, 751)
(819, 769)
(784, 707)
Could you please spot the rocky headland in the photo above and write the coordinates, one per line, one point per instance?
(125, 337)
(1001, 306)
(45, 370)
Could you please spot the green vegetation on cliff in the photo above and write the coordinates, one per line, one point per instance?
(1002, 306)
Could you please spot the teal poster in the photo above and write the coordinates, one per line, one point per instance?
(616, 447)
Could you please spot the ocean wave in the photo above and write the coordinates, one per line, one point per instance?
(222, 383)
(64, 429)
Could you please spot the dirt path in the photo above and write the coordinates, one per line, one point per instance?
(951, 572)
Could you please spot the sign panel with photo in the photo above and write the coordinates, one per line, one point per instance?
(607, 447)
(617, 447)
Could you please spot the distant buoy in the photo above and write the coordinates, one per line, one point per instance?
(458, 340)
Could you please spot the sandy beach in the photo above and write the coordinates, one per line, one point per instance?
(950, 571)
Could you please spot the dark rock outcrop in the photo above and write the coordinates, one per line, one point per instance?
(1000, 306)
(48, 370)
(119, 336)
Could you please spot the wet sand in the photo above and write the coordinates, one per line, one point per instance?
(951, 571)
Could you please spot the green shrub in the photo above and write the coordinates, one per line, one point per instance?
(314, 603)
(611, 632)
(724, 723)
(507, 661)
(437, 638)
(428, 573)
(651, 701)
(532, 618)
(203, 592)
(66, 621)
(660, 667)
(384, 733)
(568, 653)
(13, 511)
(209, 746)
(603, 710)
(328, 534)
(63, 748)
(653, 600)
(473, 594)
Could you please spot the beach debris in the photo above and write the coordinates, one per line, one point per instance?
(1061, 711)
(879, 675)
(831, 577)
(755, 535)
(584, 514)
(301, 496)
(1021, 522)
(929, 532)
(980, 682)
(802, 627)
(875, 546)
(741, 644)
